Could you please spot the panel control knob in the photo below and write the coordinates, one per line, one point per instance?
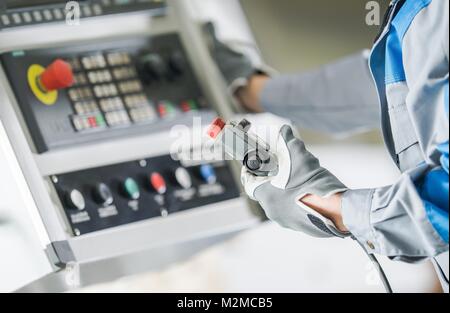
(183, 178)
(254, 164)
(75, 200)
(208, 174)
(103, 195)
(58, 75)
(177, 64)
(158, 183)
(131, 189)
(153, 67)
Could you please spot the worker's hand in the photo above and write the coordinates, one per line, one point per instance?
(300, 175)
(236, 67)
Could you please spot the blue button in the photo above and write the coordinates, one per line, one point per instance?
(208, 173)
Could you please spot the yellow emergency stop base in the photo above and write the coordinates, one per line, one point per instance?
(47, 98)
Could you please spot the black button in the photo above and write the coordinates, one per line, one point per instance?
(103, 194)
(253, 164)
(153, 67)
(177, 64)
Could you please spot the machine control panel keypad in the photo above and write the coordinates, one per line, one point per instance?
(121, 88)
(107, 86)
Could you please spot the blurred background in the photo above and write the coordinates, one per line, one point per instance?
(303, 35)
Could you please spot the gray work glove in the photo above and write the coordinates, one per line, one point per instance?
(236, 67)
(300, 174)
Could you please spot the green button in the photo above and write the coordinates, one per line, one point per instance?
(100, 120)
(132, 189)
(170, 107)
(193, 105)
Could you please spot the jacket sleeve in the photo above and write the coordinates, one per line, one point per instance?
(393, 221)
(327, 99)
(409, 221)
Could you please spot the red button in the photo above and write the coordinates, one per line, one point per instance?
(92, 122)
(162, 110)
(158, 183)
(58, 75)
(185, 106)
(216, 128)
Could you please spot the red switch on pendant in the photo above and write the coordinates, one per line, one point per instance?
(158, 183)
(58, 75)
(216, 128)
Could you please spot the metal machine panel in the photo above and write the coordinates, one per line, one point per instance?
(124, 193)
(57, 154)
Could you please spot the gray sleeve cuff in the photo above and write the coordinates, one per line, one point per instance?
(244, 80)
(392, 221)
(356, 209)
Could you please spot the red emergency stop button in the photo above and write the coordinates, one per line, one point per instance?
(58, 75)
(216, 128)
(158, 183)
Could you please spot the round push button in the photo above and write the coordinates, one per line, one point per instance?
(75, 200)
(58, 75)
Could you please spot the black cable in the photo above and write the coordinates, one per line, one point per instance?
(379, 268)
(444, 277)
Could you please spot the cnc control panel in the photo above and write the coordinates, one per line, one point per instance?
(85, 94)
(119, 88)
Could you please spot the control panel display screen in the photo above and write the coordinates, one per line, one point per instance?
(15, 4)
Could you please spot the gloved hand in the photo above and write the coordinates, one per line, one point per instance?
(236, 67)
(300, 174)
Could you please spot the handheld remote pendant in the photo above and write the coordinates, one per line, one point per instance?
(253, 152)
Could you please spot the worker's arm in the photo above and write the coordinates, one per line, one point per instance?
(407, 221)
(410, 220)
(337, 98)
